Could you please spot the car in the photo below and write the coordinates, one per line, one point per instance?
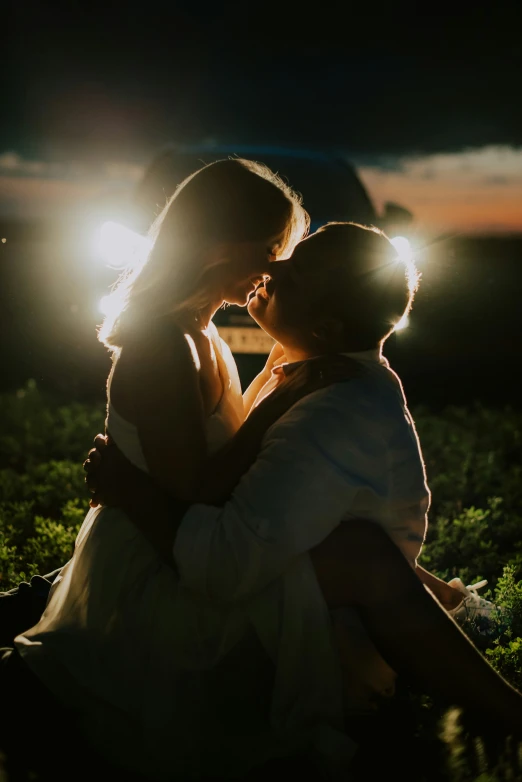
(328, 183)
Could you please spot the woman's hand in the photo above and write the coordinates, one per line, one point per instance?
(276, 357)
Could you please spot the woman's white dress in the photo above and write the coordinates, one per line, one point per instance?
(123, 641)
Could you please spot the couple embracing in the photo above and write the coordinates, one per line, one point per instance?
(245, 588)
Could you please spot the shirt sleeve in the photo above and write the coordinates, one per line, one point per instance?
(291, 499)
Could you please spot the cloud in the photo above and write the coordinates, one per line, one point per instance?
(38, 188)
(13, 164)
(475, 191)
(474, 163)
(37, 197)
(129, 172)
(495, 180)
(10, 161)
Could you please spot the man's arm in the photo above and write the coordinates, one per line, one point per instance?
(292, 497)
(114, 481)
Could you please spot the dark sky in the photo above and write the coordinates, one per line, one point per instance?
(95, 82)
(118, 79)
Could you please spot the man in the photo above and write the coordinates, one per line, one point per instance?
(348, 453)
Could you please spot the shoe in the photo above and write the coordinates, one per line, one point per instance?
(482, 614)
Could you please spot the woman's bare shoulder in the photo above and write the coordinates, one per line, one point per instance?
(164, 346)
(158, 357)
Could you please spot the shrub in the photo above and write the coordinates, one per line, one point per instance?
(474, 466)
(34, 429)
(43, 498)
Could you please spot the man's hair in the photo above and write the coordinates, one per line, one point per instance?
(372, 285)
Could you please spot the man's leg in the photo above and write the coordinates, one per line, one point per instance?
(22, 607)
(359, 565)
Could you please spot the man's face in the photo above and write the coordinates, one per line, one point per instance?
(287, 305)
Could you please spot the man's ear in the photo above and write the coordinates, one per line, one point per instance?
(328, 330)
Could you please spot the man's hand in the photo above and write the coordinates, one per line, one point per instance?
(113, 480)
(91, 465)
(110, 476)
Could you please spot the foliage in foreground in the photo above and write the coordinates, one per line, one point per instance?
(474, 465)
(43, 499)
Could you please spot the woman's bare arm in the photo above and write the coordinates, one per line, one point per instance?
(168, 409)
(254, 388)
(249, 397)
(170, 418)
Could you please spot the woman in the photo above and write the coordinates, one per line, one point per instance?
(174, 400)
(173, 379)
(212, 242)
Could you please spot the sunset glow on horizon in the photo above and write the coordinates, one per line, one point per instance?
(473, 191)
(476, 191)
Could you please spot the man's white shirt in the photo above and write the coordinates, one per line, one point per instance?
(347, 451)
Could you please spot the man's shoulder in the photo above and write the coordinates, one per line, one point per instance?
(375, 387)
(354, 403)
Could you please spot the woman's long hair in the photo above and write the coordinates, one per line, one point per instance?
(232, 200)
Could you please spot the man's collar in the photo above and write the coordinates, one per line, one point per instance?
(373, 356)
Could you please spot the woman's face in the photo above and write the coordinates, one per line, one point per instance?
(248, 263)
